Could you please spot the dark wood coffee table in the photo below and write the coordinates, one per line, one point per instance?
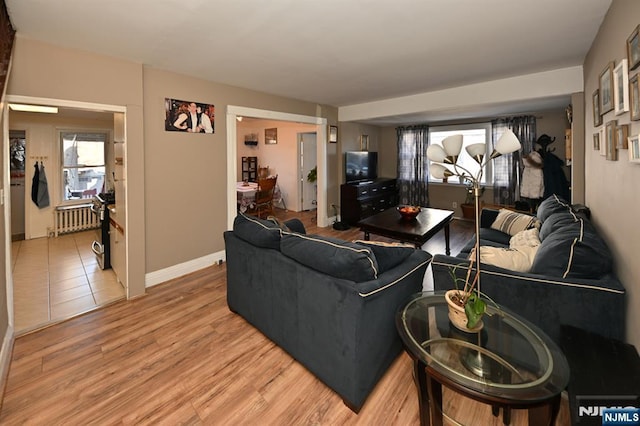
(390, 224)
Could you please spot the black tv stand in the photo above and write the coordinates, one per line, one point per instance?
(365, 198)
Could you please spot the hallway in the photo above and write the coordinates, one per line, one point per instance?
(57, 278)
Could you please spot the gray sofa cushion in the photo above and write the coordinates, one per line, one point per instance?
(553, 204)
(259, 232)
(574, 250)
(331, 256)
(388, 255)
(555, 222)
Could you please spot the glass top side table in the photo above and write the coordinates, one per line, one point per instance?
(508, 363)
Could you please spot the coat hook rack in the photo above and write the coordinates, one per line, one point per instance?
(38, 157)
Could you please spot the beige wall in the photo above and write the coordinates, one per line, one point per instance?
(78, 76)
(185, 174)
(611, 187)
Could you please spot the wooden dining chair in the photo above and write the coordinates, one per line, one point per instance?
(263, 206)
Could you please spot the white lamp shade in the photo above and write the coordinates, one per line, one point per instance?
(452, 145)
(476, 150)
(436, 153)
(507, 143)
(439, 171)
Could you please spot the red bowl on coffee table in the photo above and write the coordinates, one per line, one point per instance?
(408, 212)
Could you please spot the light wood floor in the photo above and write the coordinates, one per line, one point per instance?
(179, 356)
(57, 278)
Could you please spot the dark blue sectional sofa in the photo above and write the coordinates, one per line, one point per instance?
(572, 281)
(328, 303)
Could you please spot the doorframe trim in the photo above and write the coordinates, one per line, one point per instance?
(234, 111)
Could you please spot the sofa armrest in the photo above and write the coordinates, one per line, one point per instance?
(487, 217)
(596, 305)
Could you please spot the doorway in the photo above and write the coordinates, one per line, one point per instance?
(308, 163)
(17, 174)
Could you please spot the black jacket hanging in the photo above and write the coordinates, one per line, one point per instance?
(34, 184)
(43, 188)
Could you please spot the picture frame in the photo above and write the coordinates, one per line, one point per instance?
(597, 118)
(622, 134)
(596, 141)
(179, 116)
(333, 134)
(606, 89)
(603, 141)
(634, 149)
(610, 151)
(633, 49)
(634, 98)
(364, 142)
(271, 136)
(621, 85)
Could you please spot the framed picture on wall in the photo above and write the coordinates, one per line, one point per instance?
(633, 49)
(597, 118)
(634, 149)
(621, 87)
(271, 136)
(606, 89)
(603, 141)
(596, 141)
(364, 142)
(610, 150)
(188, 116)
(333, 134)
(634, 98)
(622, 134)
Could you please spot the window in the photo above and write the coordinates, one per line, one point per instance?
(83, 164)
(472, 133)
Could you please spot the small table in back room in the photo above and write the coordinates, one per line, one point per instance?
(390, 224)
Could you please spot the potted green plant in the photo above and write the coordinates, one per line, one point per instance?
(468, 207)
(312, 176)
(466, 306)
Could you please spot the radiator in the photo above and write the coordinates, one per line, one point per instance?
(75, 218)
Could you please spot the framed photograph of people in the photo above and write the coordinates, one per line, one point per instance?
(606, 89)
(634, 98)
(597, 118)
(188, 116)
(611, 151)
(622, 134)
(633, 49)
(333, 134)
(621, 87)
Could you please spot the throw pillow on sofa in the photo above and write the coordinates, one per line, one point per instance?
(388, 255)
(515, 259)
(259, 232)
(511, 222)
(331, 256)
(552, 204)
(573, 251)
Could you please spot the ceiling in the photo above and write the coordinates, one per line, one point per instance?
(330, 52)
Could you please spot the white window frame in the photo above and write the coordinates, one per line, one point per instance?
(458, 128)
(61, 166)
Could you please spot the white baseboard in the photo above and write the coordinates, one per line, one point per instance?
(5, 358)
(175, 271)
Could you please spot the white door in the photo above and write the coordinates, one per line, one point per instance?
(308, 161)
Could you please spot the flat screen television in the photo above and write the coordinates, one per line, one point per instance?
(361, 166)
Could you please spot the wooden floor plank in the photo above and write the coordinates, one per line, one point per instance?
(179, 356)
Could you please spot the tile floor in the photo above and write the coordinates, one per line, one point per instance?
(57, 278)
